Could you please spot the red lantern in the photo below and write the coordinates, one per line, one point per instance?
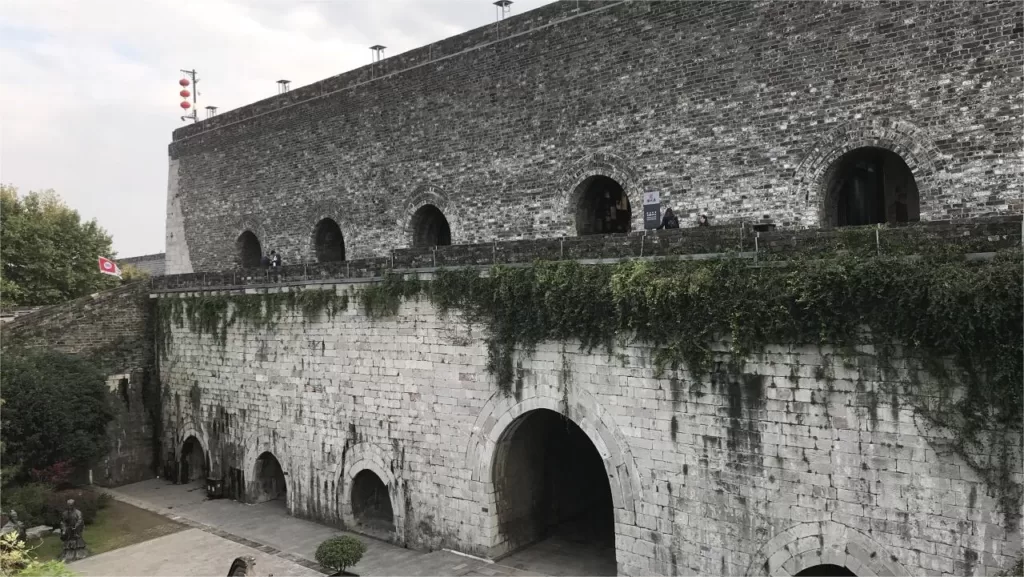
(183, 82)
(185, 105)
(185, 93)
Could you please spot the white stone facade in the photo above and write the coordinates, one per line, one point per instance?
(804, 463)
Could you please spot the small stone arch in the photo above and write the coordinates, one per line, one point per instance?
(192, 467)
(600, 165)
(423, 197)
(911, 144)
(252, 226)
(257, 443)
(810, 544)
(501, 411)
(328, 241)
(371, 457)
(333, 210)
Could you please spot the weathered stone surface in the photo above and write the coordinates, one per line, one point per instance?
(715, 481)
(111, 328)
(734, 109)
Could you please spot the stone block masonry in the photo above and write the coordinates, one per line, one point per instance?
(798, 460)
(735, 109)
(111, 328)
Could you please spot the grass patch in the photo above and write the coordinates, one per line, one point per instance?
(117, 525)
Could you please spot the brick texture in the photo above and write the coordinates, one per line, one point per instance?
(800, 460)
(734, 109)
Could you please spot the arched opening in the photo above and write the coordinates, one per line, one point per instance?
(328, 241)
(192, 464)
(553, 495)
(826, 571)
(249, 251)
(871, 185)
(270, 482)
(371, 503)
(602, 207)
(430, 227)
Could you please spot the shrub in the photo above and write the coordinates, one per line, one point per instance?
(17, 560)
(56, 475)
(55, 409)
(31, 502)
(340, 553)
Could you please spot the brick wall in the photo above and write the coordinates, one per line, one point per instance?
(111, 328)
(800, 460)
(734, 109)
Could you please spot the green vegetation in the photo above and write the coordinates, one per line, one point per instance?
(116, 525)
(18, 559)
(47, 254)
(55, 409)
(340, 553)
(214, 314)
(959, 321)
(962, 319)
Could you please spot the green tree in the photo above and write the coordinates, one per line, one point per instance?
(55, 409)
(47, 254)
(131, 273)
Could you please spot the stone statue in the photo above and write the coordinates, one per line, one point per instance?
(18, 526)
(14, 526)
(71, 526)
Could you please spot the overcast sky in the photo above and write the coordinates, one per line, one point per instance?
(89, 88)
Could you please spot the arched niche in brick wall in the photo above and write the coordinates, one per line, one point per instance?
(816, 181)
(870, 185)
(584, 187)
(328, 241)
(428, 219)
(377, 460)
(810, 545)
(248, 250)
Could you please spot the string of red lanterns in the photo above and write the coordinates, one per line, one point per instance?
(189, 80)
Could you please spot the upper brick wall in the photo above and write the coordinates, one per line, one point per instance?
(734, 109)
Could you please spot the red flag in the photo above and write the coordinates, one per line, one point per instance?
(108, 266)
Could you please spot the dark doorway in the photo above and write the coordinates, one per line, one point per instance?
(430, 227)
(871, 186)
(193, 461)
(602, 207)
(826, 571)
(328, 241)
(553, 493)
(249, 250)
(270, 481)
(371, 503)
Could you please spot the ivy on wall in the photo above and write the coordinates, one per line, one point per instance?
(961, 320)
(214, 314)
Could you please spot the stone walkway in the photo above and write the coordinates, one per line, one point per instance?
(269, 529)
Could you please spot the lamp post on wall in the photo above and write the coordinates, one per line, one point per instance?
(190, 78)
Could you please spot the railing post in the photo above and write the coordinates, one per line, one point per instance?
(304, 268)
(494, 252)
(878, 243)
(756, 247)
(643, 240)
(561, 248)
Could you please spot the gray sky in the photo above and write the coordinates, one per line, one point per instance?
(89, 88)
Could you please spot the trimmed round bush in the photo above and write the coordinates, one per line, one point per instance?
(340, 553)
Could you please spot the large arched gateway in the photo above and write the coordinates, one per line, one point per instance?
(553, 493)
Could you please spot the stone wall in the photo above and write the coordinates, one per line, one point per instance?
(112, 329)
(733, 109)
(152, 264)
(799, 460)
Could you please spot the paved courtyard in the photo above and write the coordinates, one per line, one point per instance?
(282, 544)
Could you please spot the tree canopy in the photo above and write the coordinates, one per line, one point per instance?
(55, 409)
(47, 253)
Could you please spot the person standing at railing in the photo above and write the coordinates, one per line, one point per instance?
(669, 221)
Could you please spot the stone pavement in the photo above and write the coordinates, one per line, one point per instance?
(269, 529)
(191, 552)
